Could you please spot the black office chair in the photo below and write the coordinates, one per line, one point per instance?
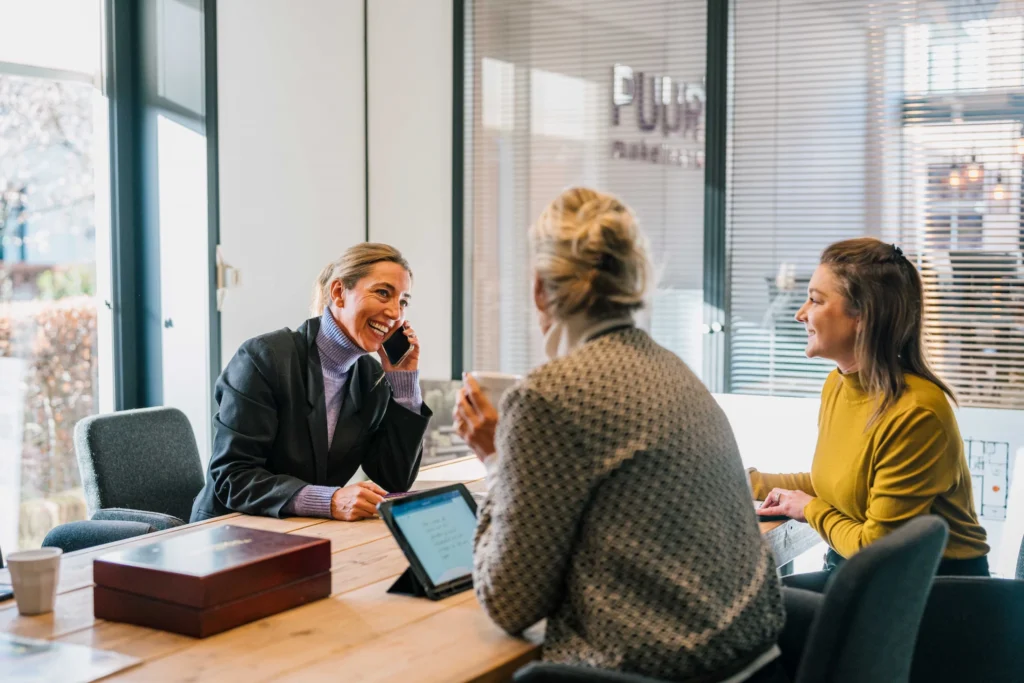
(547, 672)
(862, 630)
(869, 617)
(971, 631)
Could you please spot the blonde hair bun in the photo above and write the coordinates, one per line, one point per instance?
(590, 255)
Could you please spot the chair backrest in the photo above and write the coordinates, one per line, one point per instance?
(971, 631)
(867, 625)
(143, 459)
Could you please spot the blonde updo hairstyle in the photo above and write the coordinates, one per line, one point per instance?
(351, 267)
(590, 256)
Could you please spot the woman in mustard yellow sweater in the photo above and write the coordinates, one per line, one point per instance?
(889, 448)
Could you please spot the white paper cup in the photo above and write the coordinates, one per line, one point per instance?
(494, 384)
(34, 575)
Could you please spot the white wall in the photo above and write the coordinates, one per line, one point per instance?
(409, 48)
(290, 92)
(292, 175)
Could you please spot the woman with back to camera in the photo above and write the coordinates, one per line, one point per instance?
(618, 508)
(299, 412)
(889, 448)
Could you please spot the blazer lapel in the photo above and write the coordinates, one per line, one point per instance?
(317, 416)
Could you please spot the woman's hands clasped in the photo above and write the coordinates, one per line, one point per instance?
(475, 419)
(357, 501)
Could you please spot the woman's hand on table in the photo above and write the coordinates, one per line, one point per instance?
(786, 502)
(475, 419)
(355, 502)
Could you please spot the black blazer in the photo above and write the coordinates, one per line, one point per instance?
(270, 429)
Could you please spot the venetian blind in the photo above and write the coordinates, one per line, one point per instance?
(602, 93)
(899, 120)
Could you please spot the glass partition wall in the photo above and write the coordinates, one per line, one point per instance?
(602, 93)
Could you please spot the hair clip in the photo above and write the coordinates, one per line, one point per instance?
(896, 251)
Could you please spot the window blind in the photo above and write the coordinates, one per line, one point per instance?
(602, 93)
(899, 120)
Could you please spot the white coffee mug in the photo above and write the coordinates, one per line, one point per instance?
(494, 384)
(34, 575)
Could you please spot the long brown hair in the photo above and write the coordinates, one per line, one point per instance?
(351, 267)
(884, 289)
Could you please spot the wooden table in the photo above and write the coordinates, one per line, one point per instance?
(359, 633)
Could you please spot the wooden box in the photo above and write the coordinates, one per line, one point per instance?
(211, 580)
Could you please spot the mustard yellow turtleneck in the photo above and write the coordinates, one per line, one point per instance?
(868, 480)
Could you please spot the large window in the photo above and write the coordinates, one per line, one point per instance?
(898, 120)
(55, 359)
(603, 93)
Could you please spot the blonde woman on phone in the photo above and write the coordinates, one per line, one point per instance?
(300, 411)
(595, 467)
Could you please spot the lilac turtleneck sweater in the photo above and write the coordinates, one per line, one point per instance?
(338, 354)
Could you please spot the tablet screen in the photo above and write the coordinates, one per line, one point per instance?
(440, 531)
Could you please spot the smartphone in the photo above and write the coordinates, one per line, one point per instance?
(397, 346)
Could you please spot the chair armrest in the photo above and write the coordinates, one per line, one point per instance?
(72, 536)
(157, 520)
(547, 672)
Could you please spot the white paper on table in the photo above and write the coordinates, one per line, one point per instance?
(26, 659)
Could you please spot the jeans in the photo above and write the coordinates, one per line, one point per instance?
(816, 581)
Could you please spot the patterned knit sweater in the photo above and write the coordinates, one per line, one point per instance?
(620, 513)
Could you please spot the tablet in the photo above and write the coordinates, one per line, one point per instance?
(435, 530)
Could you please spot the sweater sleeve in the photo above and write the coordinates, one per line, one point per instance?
(527, 525)
(762, 483)
(913, 467)
(406, 387)
(310, 501)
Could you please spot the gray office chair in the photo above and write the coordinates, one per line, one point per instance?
(139, 466)
(140, 471)
(971, 631)
(869, 617)
(862, 630)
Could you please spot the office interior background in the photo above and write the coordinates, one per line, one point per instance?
(174, 173)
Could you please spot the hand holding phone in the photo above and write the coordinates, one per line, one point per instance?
(401, 350)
